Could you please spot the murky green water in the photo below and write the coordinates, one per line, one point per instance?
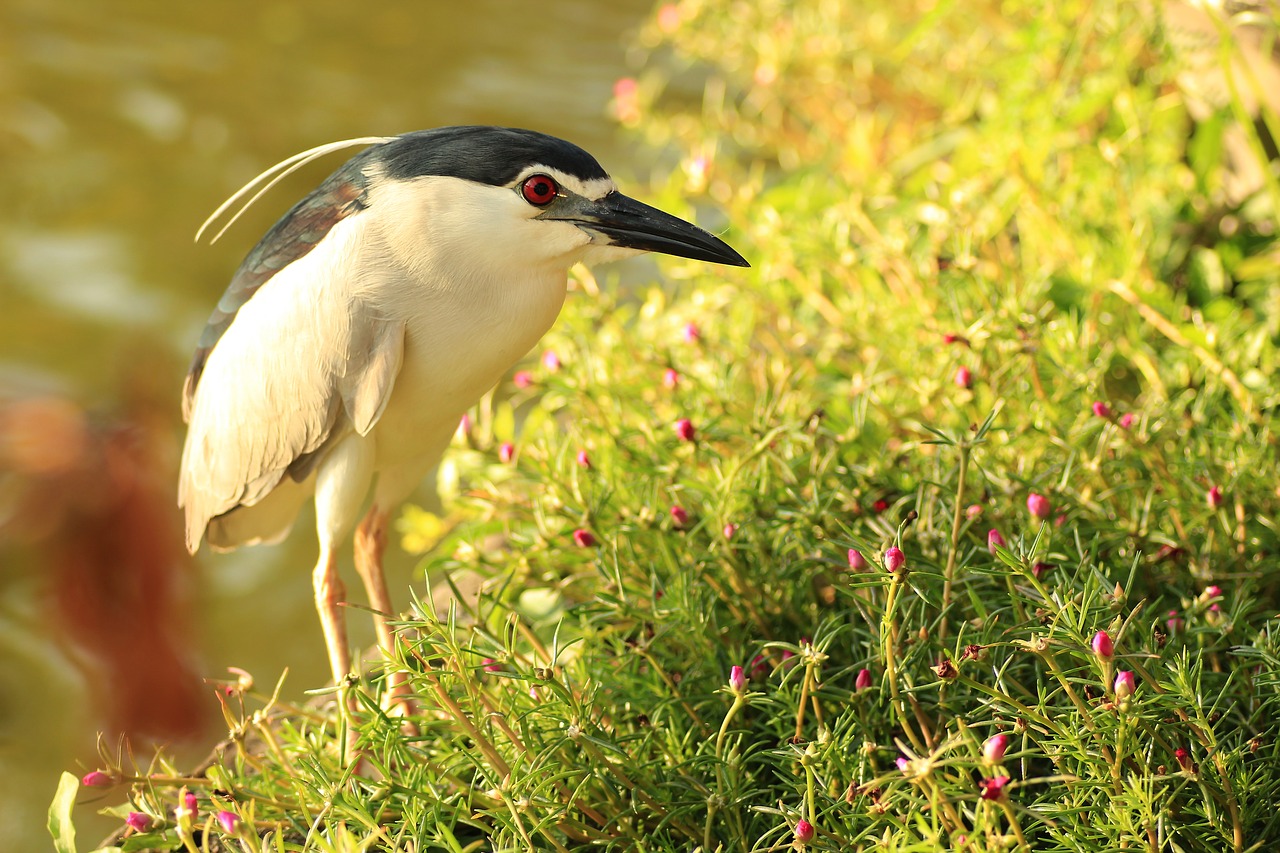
(122, 124)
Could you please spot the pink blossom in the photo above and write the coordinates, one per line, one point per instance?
(1212, 591)
(1125, 684)
(1038, 505)
(902, 763)
(551, 361)
(680, 516)
(804, 831)
(584, 461)
(522, 379)
(228, 820)
(993, 788)
(506, 452)
(137, 821)
(1174, 622)
(994, 748)
(729, 530)
(1101, 409)
(1127, 419)
(972, 511)
(684, 429)
(491, 665)
(894, 559)
(1214, 497)
(863, 681)
(964, 378)
(857, 562)
(994, 540)
(670, 377)
(691, 333)
(583, 538)
(737, 679)
(97, 779)
(1102, 646)
(759, 666)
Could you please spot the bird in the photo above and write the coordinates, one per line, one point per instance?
(366, 322)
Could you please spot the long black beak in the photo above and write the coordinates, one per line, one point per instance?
(635, 225)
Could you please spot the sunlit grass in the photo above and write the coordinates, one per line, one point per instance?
(998, 285)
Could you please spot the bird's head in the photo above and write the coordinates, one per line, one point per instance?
(520, 194)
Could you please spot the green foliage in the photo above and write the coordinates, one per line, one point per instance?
(1015, 190)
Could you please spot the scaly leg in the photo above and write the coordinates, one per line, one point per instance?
(370, 544)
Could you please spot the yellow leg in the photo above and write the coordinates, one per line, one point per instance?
(370, 544)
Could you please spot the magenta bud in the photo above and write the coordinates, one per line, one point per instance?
(804, 831)
(1102, 646)
(1127, 419)
(506, 452)
(189, 803)
(894, 559)
(137, 821)
(522, 379)
(1214, 497)
(737, 679)
(1101, 409)
(857, 562)
(994, 540)
(1038, 505)
(551, 361)
(491, 665)
(993, 788)
(670, 378)
(583, 538)
(863, 681)
(691, 333)
(964, 378)
(228, 821)
(1125, 684)
(680, 516)
(97, 779)
(994, 748)
(464, 424)
(903, 764)
(1212, 591)
(584, 460)
(684, 429)
(729, 530)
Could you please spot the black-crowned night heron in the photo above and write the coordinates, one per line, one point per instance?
(370, 318)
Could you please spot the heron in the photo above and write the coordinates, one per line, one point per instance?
(376, 312)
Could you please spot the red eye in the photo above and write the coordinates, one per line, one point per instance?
(539, 190)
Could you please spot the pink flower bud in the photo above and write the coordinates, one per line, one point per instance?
(551, 361)
(1174, 622)
(857, 562)
(903, 764)
(522, 379)
(1038, 505)
(1125, 684)
(584, 461)
(1183, 758)
(1212, 591)
(1127, 419)
(680, 516)
(1101, 409)
(583, 538)
(759, 666)
(670, 378)
(993, 788)
(684, 429)
(506, 452)
(1039, 570)
(950, 337)
(1214, 497)
(137, 821)
(972, 511)
(729, 530)
(491, 665)
(994, 540)
(964, 378)
(228, 821)
(863, 681)
(691, 333)
(97, 779)
(1102, 646)
(994, 748)
(804, 831)
(894, 559)
(737, 679)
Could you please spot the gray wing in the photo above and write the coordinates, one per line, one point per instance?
(282, 376)
(344, 193)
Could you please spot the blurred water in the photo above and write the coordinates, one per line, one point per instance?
(122, 125)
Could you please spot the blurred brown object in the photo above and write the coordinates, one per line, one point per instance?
(88, 505)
